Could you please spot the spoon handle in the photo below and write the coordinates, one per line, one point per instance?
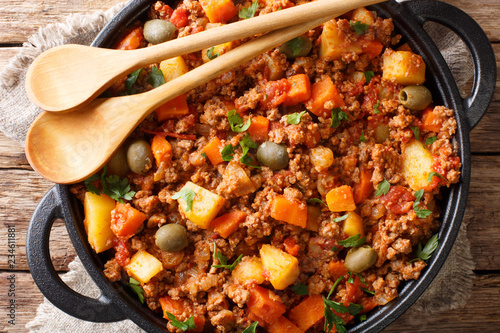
(245, 28)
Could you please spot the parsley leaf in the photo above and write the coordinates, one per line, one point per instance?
(246, 13)
(187, 195)
(130, 81)
(210, 53)
(316, 200)
(362, 318)
(353, 241)
(429, 248)
(251, 328)
(223, 260)
(300, 289)
(204, 155)
(416, 132)
(382, 188)
(136, 288)
(295, 45)
(431, 140)
(368, 76)
(337, 116)
(246, 143)
(335, 284)
(236, 122)
(112, 186)
(375, 107)
(354, 309)
(188, 324)
(367, 291)
(421, 213)
(362, 137)
(434, 173)
(351, 277)
(359, 28)
(156, 77)
(227, 152)
(331, 319)
(294, 118)
(341, 218)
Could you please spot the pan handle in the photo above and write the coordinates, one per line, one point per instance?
(478, 45)
(100, 309)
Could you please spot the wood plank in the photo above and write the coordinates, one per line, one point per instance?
(6, 53)
(21, 19)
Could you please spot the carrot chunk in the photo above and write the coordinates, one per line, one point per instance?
(178, 308)
(219, 11)
(131, 40)
(172, 109)
(161, 148)
(431, 122)
(340, 199)
(293, 212)
(265, 304)
(308, 312)
(364, 188)
(299, 91)
(283, 325)
(212, 150)
(321, 92)
(125, 220)
(259, 127)
(226, 224)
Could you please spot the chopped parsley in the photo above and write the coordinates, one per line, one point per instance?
(236, 122)
(295, 45)
(368, 76)
(351, 277)
(359, 28)
(112, 186)
(429, 248)
(246, 13)
(434, 173)
(316, 200)
(223, 260)
(251, 328)
(130, 81)
(156, 77)
(362, 318)
(300, 289)
(367, 291)
(335, 284)
(136, 288)
(337, 116)
(246, 143)
(341, 218)
(416, 132)
(353, 241)
(376, 107)
(382, 188)
(294, 118)
(362, 137)
(422, 213)
(430, 140)
(227, 152)
(210, 53)
(187, 195)
(204, 155)
(188, 324)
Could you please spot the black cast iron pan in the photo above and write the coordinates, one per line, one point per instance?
(116, 303)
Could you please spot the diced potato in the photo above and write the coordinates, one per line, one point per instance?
(334, 43)
(172, 68)
(97, 209)
(363, 15)
(283, 268)
(249, 270)
(353, 225)
(143, 266)
(406, 67)
(206, 205)
(340, 199)
(417, 164)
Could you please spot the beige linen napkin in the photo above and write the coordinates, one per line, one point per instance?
(17, 112)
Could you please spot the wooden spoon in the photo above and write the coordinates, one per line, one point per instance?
(66, 77)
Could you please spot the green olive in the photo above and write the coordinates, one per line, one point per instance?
(171, 237)
(360, 258)
(139, 156)
(273, 155)
(415, 97)
(297, 47)
(382, 133)
(158, 31)
(117, 165)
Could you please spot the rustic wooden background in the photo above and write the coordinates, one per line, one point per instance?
(21, 188)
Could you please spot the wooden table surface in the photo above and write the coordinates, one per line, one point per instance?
(21, 189)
